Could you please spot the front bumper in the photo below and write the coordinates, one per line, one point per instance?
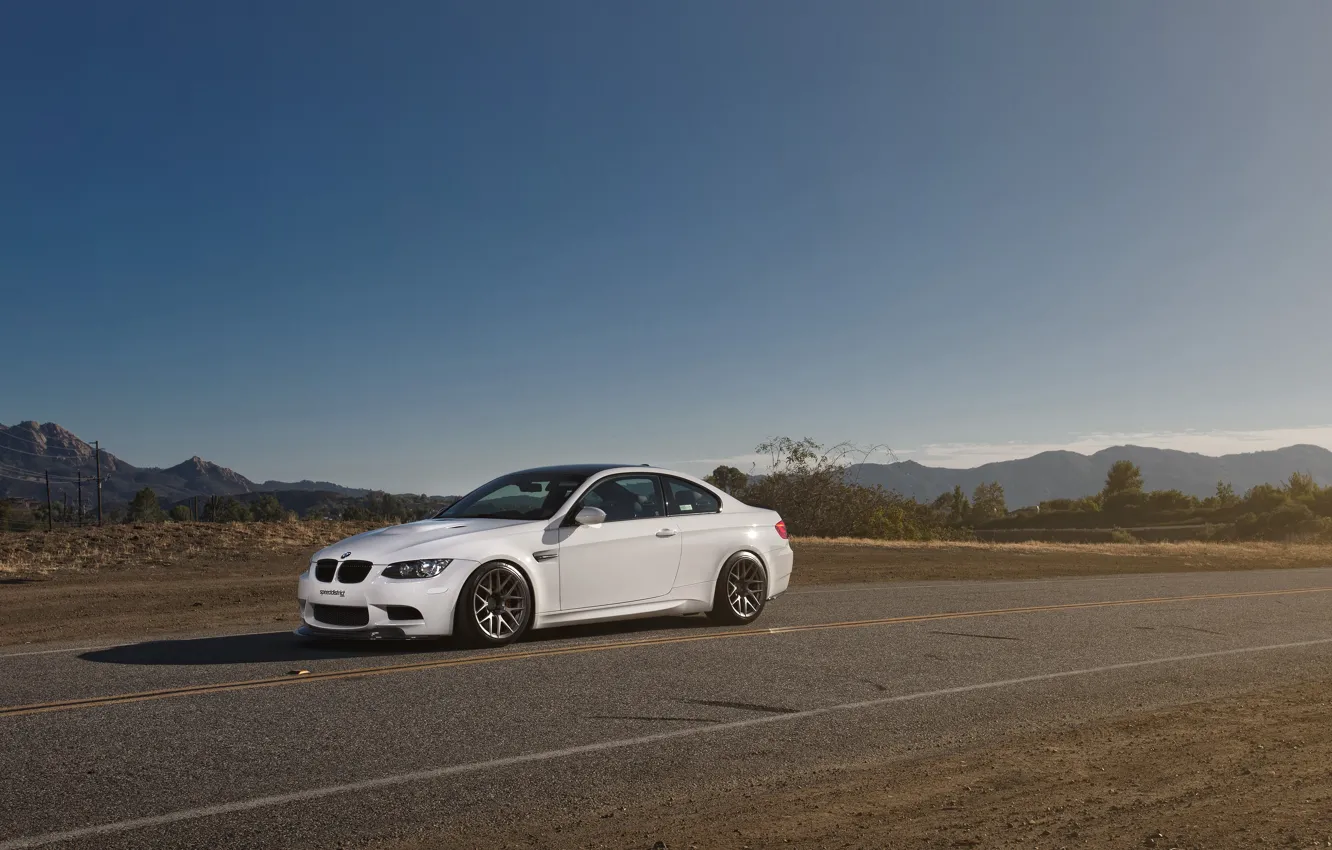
(373, 609)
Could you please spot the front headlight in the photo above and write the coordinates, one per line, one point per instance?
(417, 569)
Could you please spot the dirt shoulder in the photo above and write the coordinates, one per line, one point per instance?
(1235, 772)
(125, 582)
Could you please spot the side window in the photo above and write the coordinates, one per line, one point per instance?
(684, 498)
(627, 498)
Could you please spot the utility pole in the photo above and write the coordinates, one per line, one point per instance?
(80, 498)
(97, 449)
(48, 501)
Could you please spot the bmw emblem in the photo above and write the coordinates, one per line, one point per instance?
(346, 555)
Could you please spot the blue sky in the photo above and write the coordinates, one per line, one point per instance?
(411, 245)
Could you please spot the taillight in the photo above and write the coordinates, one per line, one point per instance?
(781, 528)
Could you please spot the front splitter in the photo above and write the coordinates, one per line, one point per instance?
(375, 633)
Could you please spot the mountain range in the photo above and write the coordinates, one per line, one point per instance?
(1061, 474)
(29, 451)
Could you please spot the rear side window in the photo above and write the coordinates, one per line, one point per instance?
(683, 498)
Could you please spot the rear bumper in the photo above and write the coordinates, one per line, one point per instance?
(780, 562)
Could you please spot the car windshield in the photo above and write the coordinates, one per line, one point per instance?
(521, 495)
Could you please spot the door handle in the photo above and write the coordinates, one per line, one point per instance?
(666, 532)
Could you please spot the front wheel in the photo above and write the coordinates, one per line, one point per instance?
(495, 607)
(742, 591)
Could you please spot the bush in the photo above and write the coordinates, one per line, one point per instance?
(1264, 498)
(179, 513)
(808, 487)
(267, 509)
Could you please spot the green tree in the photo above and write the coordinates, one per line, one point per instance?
(987, 502)
(226, 509)
(1087, 504)
(1301, 487)
(1124, 477)
(1225, 494)
(1264, 498)
(144, 507)
(179, 513)
(355, 513)
(267, 509)
(1170, 500)
(728, 478)
(954, 506)
(1322, 502)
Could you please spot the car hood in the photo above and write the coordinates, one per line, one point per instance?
(417, 539)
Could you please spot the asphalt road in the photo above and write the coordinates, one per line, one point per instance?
(217, 741)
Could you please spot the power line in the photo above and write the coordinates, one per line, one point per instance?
(27, 478)
(14, 471)
(8, 433)
(41, 454)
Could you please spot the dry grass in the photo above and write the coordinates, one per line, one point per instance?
(118, 547)
(122, 547)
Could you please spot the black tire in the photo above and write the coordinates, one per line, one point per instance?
(485, 615)
(742, 590)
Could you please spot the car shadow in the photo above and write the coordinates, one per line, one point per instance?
(247, 649)
(285, 646)
(618, 627)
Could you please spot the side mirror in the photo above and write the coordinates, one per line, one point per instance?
(590, 516)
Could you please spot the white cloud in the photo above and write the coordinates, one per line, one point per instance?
(702, 466)
(964, 455)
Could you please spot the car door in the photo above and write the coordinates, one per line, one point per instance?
(706, 537)
(631, 556)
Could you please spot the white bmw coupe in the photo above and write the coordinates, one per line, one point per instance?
(551, 547)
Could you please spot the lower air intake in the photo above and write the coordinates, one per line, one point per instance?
(341, 615)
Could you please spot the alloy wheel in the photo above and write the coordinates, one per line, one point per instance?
(499, 603)
(745, 586)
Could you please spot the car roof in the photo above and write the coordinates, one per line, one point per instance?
(578, 468)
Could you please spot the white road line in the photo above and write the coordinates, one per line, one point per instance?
(982, 583)
(26, 842)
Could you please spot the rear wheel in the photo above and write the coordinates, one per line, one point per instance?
(742, 590)
(495, 606)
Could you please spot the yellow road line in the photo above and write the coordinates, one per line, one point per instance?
(221, 687)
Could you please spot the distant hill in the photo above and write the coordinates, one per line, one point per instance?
(28, 451)
(320, 486)
(1057, 475)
